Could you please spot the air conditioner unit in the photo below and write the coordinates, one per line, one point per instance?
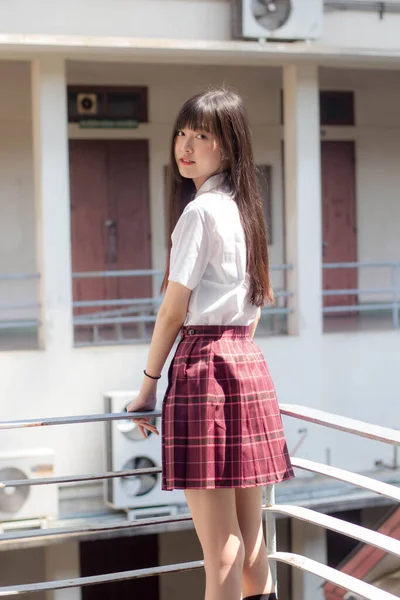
(286, 20)
(87, 104)
(126, 448)
(27, 502)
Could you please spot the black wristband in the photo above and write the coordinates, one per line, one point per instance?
(151, 376)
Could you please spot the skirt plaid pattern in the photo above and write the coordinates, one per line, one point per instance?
(221, 425)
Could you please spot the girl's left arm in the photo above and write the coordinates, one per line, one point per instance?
(253, 325)
(170, 318)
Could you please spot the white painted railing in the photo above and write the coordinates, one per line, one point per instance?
(351, 426)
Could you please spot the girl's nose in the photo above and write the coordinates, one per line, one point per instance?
(187, 146)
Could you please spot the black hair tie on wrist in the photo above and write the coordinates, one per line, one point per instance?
(151, 376)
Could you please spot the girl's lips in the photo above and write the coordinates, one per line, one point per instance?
(186, 162)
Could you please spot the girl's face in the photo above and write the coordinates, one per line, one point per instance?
(197, 154)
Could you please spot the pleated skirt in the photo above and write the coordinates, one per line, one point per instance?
(221, 426)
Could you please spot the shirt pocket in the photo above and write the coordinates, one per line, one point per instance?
(229, 266)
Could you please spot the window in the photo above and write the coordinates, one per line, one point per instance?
(336, 108)
(100, 102)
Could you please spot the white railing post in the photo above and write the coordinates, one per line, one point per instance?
(396, 304)
(270, 532)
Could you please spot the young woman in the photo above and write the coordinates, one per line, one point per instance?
(222, 436)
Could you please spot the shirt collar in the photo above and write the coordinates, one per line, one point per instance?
(215, 182)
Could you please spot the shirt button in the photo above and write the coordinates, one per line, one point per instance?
(191, 331)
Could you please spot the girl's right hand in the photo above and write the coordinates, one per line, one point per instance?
(143, 403)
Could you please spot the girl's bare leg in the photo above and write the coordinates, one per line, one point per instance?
(257, 577)
(215, 520)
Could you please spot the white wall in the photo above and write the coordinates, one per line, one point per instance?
(63, 562)
(207, 19)
(23, 567)
(180, 547)
(177, 19)
(377, 138)
(17, 214)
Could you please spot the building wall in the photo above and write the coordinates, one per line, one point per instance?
(17, 211)
(376, 134)
(180, 547)
(23, 567)
(355, 372)
(186, 19)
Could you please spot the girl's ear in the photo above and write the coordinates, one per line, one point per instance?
(224, 160)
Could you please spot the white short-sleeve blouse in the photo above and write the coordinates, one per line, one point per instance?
(208, 256)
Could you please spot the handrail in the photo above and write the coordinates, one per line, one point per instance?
(374, 538)
(18, 276)
(140, 311)
(334, 421)
(367, 483)
(123, 315)
(393, 305)
(314, 415)
(74, 419)
(366, 590)
(56, 532)
(64, 584)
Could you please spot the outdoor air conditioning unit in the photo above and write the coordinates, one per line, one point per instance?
(286, 20)
(27, 502)
(126, 448)
(87, 104)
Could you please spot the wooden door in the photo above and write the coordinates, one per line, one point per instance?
(339, 232)
(110, 224)
(120, 554)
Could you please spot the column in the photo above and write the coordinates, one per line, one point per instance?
(310, 541)
(303, 197)
(51, 173)
(62, 562)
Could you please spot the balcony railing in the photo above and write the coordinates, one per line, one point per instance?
(129, 320)
(350, 583)
(391, 293)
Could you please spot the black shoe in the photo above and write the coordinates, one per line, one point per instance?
(271, 596)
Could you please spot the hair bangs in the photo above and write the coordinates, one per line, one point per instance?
(197, 116)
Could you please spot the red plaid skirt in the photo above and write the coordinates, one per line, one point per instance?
(221, 425)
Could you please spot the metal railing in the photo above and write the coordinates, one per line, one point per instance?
(352, 584)
(142, 311)
(392, 306)
(122, 312)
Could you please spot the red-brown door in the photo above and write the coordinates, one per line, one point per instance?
(110, 217)
(339, 233)
(98, 557)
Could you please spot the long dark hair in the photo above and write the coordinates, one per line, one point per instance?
(221, 111)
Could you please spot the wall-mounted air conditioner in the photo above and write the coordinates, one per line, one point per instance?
(286, 20)
(27, 502)
(125, 448)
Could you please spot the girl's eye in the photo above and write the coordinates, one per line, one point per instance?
(202, 136)
(179, 133)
